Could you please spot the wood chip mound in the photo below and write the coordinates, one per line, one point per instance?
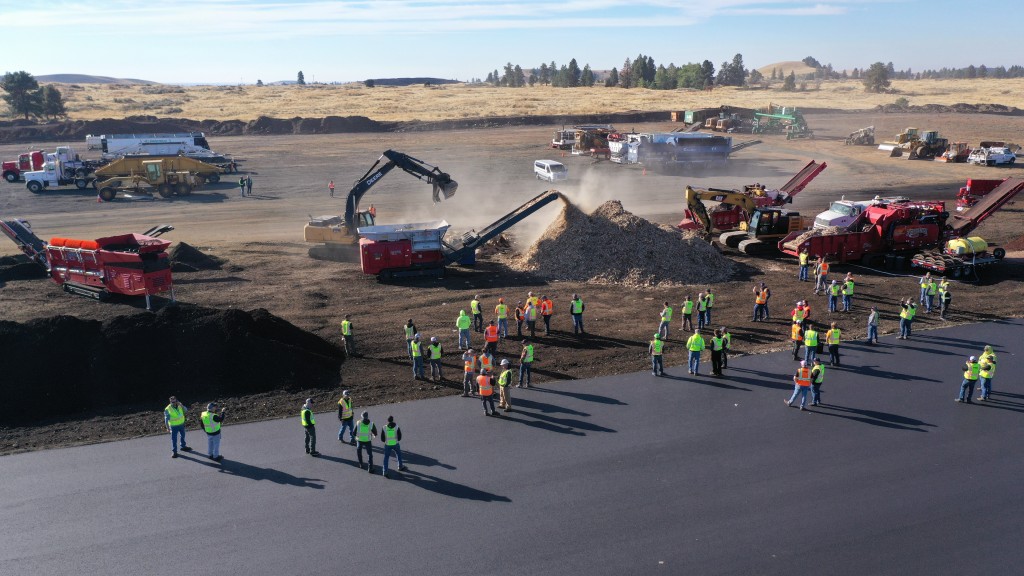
(828, 231)
(613, 246)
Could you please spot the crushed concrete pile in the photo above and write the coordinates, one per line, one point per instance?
(63, 365)
(187, 258)
(613, 246)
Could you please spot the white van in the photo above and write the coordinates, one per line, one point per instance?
(550, 170)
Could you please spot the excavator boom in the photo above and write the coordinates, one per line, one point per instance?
(442, 183)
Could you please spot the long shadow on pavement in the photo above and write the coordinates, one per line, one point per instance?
(585, 396)
(511, 417)
(545, 407)
(706, 381)
(447, 488)
(873, 417)
(420, 460)
(569, 423)
(242, 470)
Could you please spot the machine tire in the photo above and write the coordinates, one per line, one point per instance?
(165, 190)
(34, 187)
(1011, 161)
(990, 163)
(213, 178)
(11, 177)
(107, 193)
(182, 189)
(733, 239)
(81, 183)
(999, 253)
(81, 173)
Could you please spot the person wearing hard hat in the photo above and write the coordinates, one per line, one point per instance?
(802, 383)
(525, 365)
(478, 315)
(366, 431)
(655, 349)
(345, 414)
(434, 353)
(504, 380)
(174, 420)
(416, 347)
(987, 362)
(212, 420)
(972, 371)
(469, 361)
(309, 425)
(464, 322)
(501, 311)
(392, 435)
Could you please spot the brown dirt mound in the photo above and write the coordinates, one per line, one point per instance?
(613, 246)
(187, 258)
(196, 353)
(20, 267)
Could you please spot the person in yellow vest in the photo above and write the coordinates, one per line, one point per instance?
(347, 418)
(972, 371)
(485, 383)
(417, 358)
(347, 338)
(945, 298)
(212, 420)
(702, 309)
(366, 431)
(798, 314)
(469, 368)
(477, 312)
(717, 345)
(932, 290)
(309, 425)
(728, 347)
(463, 323)
(530, 313)
(802, 385)
(666, 318)
(923, 283)
(174, 420)
(392, 435)
(547, 309)
(656, 349)
(796, 334)
(695, 345)
(520, 318)
(817, 377)
(491, 337)
(832, 339)
(504, 381)
(810, 343)
(909, 310)
(987, 363)
(525, 365)
(686, 309)
(805, 264)
(709, 301)
(434, 353)
(486, 362)
(833, 296)
(501, 311)
(410, 333)
(531, 299)
(576, 308)
(848, 294)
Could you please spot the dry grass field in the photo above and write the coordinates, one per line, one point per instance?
(456, 101)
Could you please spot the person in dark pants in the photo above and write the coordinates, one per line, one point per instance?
(309, 424)
(728, 346)
(485, 384)
(241, 186)
(392, 435)
(346, 417)
(817, 377)
(366, 431)
(717, 345)
(174, 419)
(520, 318)
(248, 185)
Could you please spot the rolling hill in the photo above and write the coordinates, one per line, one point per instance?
(784, 68)
(89, 79)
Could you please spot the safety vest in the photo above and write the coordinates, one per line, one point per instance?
(710, 299)
(848, 288)
(762, 297)
(911, 312)
(416, 353)
(990, 359)
(474, 306)
(943, 287)
(486, 362)
(410, 331)
(973, 371)
(363, 431)
(577, 306)
(463, 322)
(547, 307)
(505, 379)
(728, 340)
(666, 314)
(811, 337)
(702, 305)
(307, 417)
(803, 258)
(176, 416)
(924, 283)
(491, 333)
(795, 332)
(824, 268)
(688, 307)
(483, 382)
(470, 365)
(695, 343)
(656, 346)
(798, 314)
(988, 370)
(346, 408)
(832, 336)
(833, 289)
(531, 314)
(520, 313)
(821, 374)
(533, 300)
(435, 351)
(932, 288)
(528, 356)
(502, 311)
(803, 376)
(346, 328)
(209, 425)
(716, 343)
(390, 435)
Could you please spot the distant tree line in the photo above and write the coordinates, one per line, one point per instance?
(639, 72)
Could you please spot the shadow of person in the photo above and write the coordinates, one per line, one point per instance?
(242, 470)
(586, 397)
(448, 488)
(420, 460)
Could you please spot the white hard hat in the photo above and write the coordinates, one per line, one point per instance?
(803, 363)
(433, 338)
(973, 358)
(505, 362)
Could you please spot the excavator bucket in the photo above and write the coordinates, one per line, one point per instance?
(446, 187)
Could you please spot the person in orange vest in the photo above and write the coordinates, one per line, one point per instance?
(330, 188)
(760, 303)
(802, 382)
(797, 336)
(486, 385)
(372, 211)
(547, 308)
(820, 276)
(491, 337)
(520, 318)
(469, 371)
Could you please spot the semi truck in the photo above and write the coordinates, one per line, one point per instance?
(63, 167)
(27, 162)
(189, 144)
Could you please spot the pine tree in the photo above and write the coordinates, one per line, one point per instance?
(302, 79)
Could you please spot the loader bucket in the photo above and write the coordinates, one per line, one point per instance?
(887, 146)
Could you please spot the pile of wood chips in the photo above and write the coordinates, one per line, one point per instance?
(613, 246)
(828, 231)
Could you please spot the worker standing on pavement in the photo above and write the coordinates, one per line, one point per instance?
(804, 265)
(695, 345)
(832, 339)
(491, 337)
(728, 347)
(833, 296)
(796, 334)
(434, 353)
(366, 431)
(702, 308)
(346, 416)
(817, 377)
(848, 293)
(687, 312)
(810, 343)
(802, 385)
(347, 338)
(666, 319)
(410, 333)
(485, 383)
(469, 362)
(873, 326)
(504, 381)
(933, 289)
(392, 435)
(463, 323)
(531, 314)
(486, 362)
(576, 308)
(907, 319)
(477, 311)
(525, 365)
(309, 425)
(547, 308)
(987, 364)
(656, 349)
(212, 420)
(972, 371)
(709, 303)
(417, 358)
(501, 311)
(520, 318)
(923, 282)
(174, 419)
(717, 345)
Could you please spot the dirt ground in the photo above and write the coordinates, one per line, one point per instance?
(268, 265)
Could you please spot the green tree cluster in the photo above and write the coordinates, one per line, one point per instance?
(26, 98)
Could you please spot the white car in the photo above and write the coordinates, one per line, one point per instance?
(992, 156)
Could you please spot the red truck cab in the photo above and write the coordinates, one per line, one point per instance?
(27, 162)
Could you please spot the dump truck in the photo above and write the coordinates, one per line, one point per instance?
(125, 264)
(144, 175)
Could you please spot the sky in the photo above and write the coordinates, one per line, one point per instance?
(241, 41)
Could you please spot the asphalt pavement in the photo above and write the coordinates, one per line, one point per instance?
(630, 474)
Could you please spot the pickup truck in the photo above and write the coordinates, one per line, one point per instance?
(992, 156)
